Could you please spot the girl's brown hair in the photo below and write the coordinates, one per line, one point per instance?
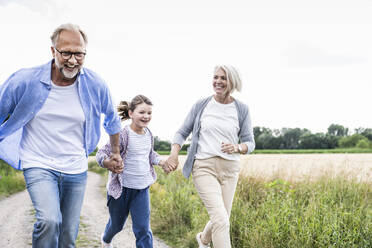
(124, 106)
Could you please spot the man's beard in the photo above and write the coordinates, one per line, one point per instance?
(67, 74)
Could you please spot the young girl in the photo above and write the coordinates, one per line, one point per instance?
(128, 186)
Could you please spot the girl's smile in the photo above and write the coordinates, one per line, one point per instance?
(141, 117)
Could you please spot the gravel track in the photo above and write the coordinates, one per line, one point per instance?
(17, 218)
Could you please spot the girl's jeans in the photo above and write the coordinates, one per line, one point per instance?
(137, 202)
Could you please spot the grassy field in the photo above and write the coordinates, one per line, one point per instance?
(312, 151)
(296, 151)
(11, 180)
(268, 211)
(273, 213)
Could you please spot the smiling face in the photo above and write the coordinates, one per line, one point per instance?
(140, 116)
(67, 69)
(220, 83)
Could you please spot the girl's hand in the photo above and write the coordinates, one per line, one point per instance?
(229, 148)
(164, 166)
(113, 164)
(172, 162)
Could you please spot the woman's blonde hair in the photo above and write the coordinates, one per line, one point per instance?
(234, 81)
(124, 106)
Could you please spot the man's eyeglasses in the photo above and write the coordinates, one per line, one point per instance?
(67, 55)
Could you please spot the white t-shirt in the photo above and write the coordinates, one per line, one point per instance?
(219, 123)
(137, 173)
(54, 138)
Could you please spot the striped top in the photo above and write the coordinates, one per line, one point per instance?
(137, 174)
(115, 182)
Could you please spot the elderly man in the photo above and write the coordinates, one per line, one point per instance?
(53, 124)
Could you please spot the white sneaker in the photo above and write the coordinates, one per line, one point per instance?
(200, 243)
(104, 244)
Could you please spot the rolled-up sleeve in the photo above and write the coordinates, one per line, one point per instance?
(111, 122)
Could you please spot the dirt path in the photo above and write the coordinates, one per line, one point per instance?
(17, 218)
(16, 221)
(94, 218)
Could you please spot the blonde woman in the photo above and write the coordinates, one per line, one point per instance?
(221, 131)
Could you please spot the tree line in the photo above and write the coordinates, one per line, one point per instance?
(337, 136)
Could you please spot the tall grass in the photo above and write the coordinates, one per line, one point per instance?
(276, 213)
(296, 151)
(11, 180)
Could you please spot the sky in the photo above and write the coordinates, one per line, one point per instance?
(303, 63)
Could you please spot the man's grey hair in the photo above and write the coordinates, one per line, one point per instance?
(234, 81)
(70, 27)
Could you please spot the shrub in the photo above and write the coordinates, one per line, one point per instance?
(364, 143)
(351, 141)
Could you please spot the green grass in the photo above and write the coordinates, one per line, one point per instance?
(168, 152)
(309, 151)
(93, 166)
(324, 213)
(296, 151)
(11, 180)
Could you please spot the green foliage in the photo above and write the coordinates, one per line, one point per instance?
(11, 180)
(93, 166)
(364, 144)
(324, 213)
(338, 130)
(160, 145)
(177, 212)
(168, 152)
(94, 152)
(297, 138)
(366, 132)
(351, 141)
(164, 146)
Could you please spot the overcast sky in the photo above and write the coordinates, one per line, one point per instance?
(304, 63)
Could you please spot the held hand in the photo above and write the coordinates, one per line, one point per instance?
(229, 148)
(172, 162)
(164, 166)
(114, 163)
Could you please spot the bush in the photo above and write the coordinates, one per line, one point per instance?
(364, 144)
(351, 141)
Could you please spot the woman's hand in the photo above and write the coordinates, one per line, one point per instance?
(172, 162)
(164, 166)
(229, 148)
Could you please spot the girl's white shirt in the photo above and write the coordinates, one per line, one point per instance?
(136, 173)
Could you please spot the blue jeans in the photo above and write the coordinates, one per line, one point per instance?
(137, 202)
(57, 198)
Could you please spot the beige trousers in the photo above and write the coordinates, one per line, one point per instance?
(215, 180)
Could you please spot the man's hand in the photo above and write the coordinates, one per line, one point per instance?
(114, 163)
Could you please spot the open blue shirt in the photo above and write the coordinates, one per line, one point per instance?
(24, 93)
